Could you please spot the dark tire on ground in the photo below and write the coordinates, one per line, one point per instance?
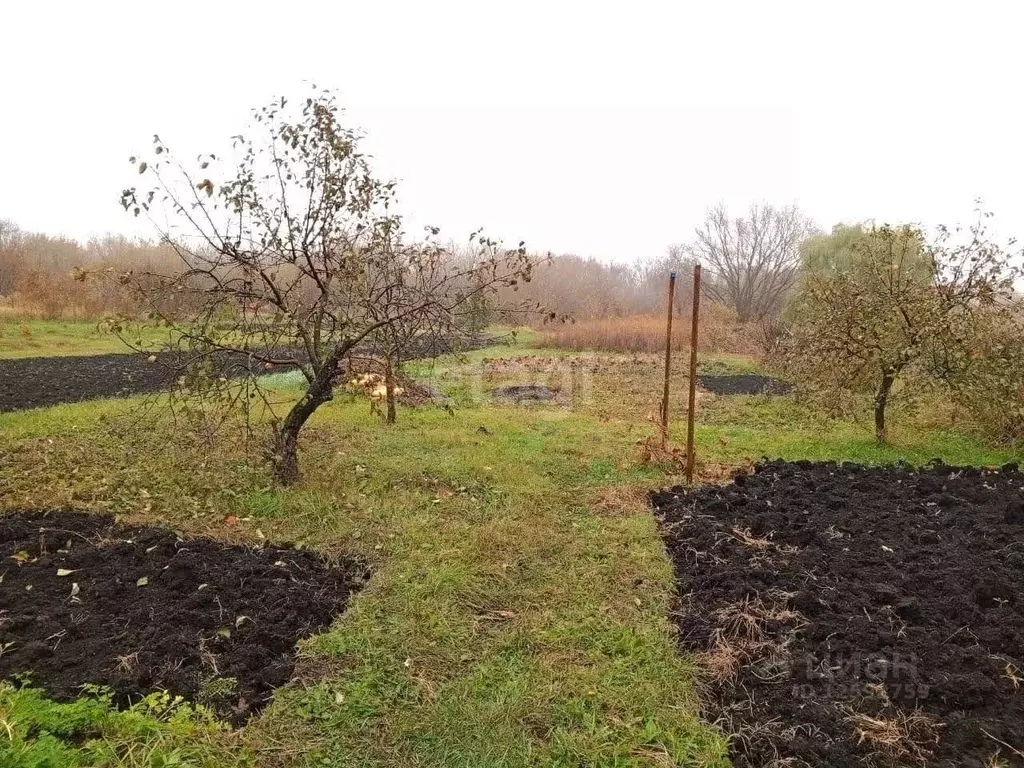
(743, 384)
(524, 393)
(138, 609)
(853, 616)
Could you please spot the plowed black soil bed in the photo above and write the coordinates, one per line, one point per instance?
(852, 616)
(744, 384)
(36, 382)
(84, 600)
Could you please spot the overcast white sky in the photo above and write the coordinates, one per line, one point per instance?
(601, 129)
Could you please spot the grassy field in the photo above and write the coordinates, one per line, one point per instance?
(47, 338)
(518, 609)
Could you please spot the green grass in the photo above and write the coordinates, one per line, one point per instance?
(739, 428)
(162, 732)
(518, 610)
(504, 624)
(47, 338)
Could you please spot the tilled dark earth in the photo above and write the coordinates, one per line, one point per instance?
(743, 384)
(36, 382)
(854, 616)
(84, 600)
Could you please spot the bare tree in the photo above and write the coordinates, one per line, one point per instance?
(752, 262)
(293, 256)
(10, 255)
(651, 276)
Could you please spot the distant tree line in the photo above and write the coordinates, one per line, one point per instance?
(750, 266)
(38, 273)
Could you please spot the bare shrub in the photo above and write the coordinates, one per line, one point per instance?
(40, 276)
(588, 289)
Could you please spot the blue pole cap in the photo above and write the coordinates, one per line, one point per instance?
(672, 274)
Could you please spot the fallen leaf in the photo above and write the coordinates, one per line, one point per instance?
(143, 581)
(64, 572)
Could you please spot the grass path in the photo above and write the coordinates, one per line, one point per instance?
(53, 338)
(518, 611)
(511, 625)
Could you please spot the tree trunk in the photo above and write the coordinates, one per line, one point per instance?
(881, 400)
(389, 388)
(284, 455)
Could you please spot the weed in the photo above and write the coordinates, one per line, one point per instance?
(217, 688)
(161, 730)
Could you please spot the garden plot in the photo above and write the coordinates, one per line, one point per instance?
(38, 382)
(86, 601)
(743, 384)
(855, 616)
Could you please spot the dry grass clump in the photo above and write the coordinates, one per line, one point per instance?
(748, 633)
(623, 499)
(902, 736)
(719, 332)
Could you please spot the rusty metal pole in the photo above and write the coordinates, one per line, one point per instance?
(668, 359)
(691, 410)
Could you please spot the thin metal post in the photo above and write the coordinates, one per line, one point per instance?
(668, 359)
(691, 410)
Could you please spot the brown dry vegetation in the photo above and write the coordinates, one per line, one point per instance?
(37, 278)
(588, 288)
(38, 274)
(719, 332)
